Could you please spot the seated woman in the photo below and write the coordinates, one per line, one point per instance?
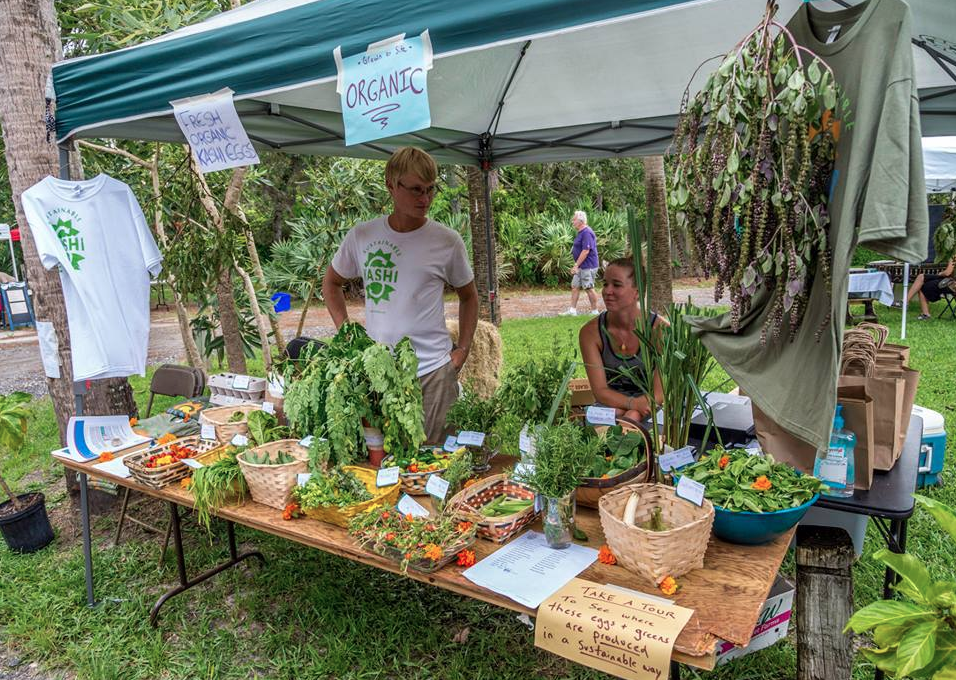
(930, 287)
(610, 348)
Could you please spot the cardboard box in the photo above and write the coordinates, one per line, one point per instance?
(772, 623)
(580, 390)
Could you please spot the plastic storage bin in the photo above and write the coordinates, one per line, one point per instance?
(281, 302)
(932, 447)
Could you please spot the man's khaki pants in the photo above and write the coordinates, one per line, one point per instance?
(439, 392)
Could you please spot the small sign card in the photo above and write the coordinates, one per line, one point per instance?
(306, 442)
(677, 459)
(192, 463)
(302, 478)
(240, 440)
(269, 407)
(524, 440)
(207, 432)
(600, 415)
(469, 438)
(524, 468)
(437, 487)
(624, 634)
(387, 476)
(451, 444)
(409, 506)
(690, 490)
(215, 134)
(240, 382)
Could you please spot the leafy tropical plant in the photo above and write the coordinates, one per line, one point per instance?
(944, 238)
(13, 430)
(915, 638)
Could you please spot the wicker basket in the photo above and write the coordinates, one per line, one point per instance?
(413, 483)
(385, 495)
(467, 503)
(158, 477)
(592, 489)
(271, 484)
(657, 554)
(219, 418)
(426, 566)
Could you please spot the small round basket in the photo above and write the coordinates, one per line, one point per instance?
(414, 483)
(271, 484)
(157, 477)
(592, 489)
(657, 554)
(219, 418)
(467, 503)
(340, 517)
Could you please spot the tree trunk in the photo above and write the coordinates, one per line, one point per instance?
(30, 38)
(285, 196)
(483, 261)
(305, 310)
(229, 321)
(662, 293)
(258, 315)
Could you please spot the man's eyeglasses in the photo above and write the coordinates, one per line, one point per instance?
(420, 192)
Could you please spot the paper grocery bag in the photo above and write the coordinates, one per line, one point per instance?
(887, 392)
(783, 446)
(911, 378)
(858, 419)
(897, 353)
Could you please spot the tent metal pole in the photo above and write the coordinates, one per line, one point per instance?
(906, 285)
(65, 161)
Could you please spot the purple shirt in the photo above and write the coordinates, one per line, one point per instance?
(585, 240)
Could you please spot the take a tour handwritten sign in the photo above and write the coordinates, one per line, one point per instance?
(384, 90)
(619, 633)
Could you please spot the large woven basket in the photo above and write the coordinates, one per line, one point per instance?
(592, 489)
(219, 418)
(272, 484)
(426, 566)
(468, 502)
(385, 495)
(158, 477)
(657, 554)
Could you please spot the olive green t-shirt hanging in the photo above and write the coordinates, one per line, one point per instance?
(879, 199)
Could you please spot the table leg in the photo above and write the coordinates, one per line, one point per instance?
(185, 583)
(87, 541)
(675, 671)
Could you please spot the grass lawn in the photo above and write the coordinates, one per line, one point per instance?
(307, 614)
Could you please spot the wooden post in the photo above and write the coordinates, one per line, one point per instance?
(824, 603)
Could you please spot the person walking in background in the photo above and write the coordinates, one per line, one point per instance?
(585, 254)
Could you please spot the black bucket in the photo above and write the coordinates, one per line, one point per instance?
(29, 529)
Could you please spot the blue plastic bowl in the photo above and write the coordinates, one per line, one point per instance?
(753, 528)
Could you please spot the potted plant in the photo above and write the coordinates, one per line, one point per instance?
(23, 519)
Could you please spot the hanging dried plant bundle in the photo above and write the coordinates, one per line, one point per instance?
(752, 160)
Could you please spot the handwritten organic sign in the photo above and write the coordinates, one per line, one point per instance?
(384, 90)
(619, 633)
(214, 131)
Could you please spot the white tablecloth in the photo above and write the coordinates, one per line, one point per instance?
(872, 282)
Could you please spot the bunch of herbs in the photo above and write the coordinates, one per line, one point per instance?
(563, 456)
(215, 484)
(336, 487)
(264, 428)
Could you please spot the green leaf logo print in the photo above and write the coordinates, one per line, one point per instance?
(72, 241)
(380, 274)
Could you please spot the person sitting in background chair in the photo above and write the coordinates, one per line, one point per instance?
(931, 287)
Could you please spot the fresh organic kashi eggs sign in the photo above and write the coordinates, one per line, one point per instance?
(384, 90)
(214, 132)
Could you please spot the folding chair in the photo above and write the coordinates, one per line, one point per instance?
(950, 307)
(173, 381)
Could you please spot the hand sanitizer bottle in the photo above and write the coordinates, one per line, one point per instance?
(834, 465)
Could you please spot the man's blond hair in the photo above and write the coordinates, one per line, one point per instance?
(408, 159)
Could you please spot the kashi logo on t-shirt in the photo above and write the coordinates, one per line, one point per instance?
(380, 274)
(69, 235)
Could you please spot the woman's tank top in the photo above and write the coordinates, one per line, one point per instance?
(613, 361)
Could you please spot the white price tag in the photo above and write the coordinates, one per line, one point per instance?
(451, 444)
(194, 464)
(538, 502)
(469, 438)
(409, 506)
(437, 487)
(306, 442)
(302, 478)
(241, 382)
(600, 415)
(387, 476)
(690, 490)
(207, 432)
(677, 459)
(240, 440)
(269, 407)
(754, 452)
(524, 440)
(524, 469)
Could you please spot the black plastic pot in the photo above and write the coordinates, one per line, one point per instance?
(29, 529)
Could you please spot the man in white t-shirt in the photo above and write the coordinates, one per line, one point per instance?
(405, 260)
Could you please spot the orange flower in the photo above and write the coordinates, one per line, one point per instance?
(409, 517)
(105, 457)
(166, 438)
(429, 527)
(133, 422)
(186, 482)
(433, 552)
(390, 536)
(605, 556)
(466, 558)
(668, 586)
(464, 527)
(761, 483)
(471, 481)
(722, 463)
(408, 556)
(413, 467)
(386, 515)
(291, 511)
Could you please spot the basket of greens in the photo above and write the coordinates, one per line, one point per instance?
(339, 494)
(270, 470)
(755, 498)
(499, 506)
(228, 420)
(419, 466)
(618, 455)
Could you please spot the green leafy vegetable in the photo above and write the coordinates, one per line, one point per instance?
(336, 487)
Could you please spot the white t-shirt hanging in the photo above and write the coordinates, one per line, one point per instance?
(95, 231)
(405, 275)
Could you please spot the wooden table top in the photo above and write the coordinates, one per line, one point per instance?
(726, 594)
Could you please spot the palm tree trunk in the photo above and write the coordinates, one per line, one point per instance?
(662, 293)
(229, 321)
(482, 261)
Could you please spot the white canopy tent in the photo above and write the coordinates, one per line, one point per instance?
(939, 163)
